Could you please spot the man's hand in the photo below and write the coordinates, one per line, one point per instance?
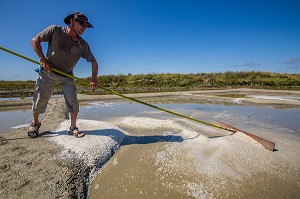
(45, 65)
(36, 45)
(93, 84)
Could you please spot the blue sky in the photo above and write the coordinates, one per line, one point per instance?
(161, 36)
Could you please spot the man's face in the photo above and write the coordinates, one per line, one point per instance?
(79, 27)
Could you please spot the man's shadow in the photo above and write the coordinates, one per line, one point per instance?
(121, 137)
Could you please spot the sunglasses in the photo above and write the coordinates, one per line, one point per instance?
(82, 23)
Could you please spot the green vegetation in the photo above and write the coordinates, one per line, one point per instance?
(16, 85)
(170, 82)
(201, 80)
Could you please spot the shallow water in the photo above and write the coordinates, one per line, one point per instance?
(15, 98)
(15, 118)
(286, 119)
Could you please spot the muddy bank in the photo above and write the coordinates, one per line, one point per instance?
(31, 168)
(55, 165)
(34, 168)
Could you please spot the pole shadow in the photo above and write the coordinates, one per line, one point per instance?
(132, 139)
(150, 139)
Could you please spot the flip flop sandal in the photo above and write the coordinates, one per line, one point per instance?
(74, 131)
(33, 131)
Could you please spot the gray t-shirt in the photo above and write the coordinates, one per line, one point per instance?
(63, 53)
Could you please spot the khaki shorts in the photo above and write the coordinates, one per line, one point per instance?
(44, 88)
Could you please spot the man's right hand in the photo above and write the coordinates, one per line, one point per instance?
(45, 65)
(36, 45)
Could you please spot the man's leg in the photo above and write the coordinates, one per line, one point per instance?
(33, 131)
(74, 129)
(35, 119)
(43, 90)
(70, 95)
(73, 119)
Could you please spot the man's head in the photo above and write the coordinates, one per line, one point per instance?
(78, 17)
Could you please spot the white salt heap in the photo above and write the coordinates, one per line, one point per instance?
(101, 140)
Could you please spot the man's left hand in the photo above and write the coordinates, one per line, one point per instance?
(93, 85)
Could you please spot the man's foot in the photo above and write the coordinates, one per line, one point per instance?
(75, 131)
(33, 131)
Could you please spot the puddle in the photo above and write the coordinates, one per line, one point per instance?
(233, 95)
(14, 119)
(287, 98)
(15, 98)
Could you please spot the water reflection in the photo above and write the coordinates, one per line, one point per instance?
(282, 118)
(287, 119)
(14, 119)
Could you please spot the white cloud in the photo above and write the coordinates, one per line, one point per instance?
(248, 64)
(293, 67)
(292, 61)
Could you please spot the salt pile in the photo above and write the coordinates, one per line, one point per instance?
(99, 144)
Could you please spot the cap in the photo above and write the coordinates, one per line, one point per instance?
(78, 16)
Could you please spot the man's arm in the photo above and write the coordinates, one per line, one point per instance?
(37, 47)
(93, 83)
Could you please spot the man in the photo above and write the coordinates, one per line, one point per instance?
(65, 48)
